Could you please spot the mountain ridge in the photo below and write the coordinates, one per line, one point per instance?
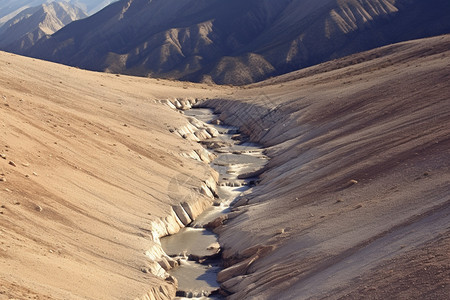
(35, 23)
(236, 42)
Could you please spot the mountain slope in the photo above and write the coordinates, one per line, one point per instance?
(236, 41)
(10, 8)
(32, 24)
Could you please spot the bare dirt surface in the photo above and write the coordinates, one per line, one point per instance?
(358, 177)
(422, 273)
(87, 163)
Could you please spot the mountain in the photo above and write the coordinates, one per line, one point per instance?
(32, 24)
(236, 42)
(10, 8)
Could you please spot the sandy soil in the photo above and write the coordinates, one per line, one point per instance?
(358, 180)
(94, 161)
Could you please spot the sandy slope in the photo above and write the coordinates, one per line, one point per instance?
(354, 203)
(358, 182)
(94, 162)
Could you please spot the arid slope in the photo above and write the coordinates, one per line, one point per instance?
(95, 162)
(236, 41)
(358, 187)
(354, 202)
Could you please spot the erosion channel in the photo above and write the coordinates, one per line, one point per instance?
(196, 247)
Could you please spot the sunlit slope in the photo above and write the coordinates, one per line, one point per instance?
(88, 170)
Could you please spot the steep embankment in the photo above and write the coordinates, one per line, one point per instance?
(235, 41)
(90, 171)
(358, 182)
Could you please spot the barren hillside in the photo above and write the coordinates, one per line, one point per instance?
(353, 204)
(87, 165)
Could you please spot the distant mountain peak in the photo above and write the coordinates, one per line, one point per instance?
(32, 24)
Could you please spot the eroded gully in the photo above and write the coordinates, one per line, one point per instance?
(195, 247)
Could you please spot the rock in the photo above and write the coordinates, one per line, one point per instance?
(165, 264)
(173, 263)
(3, 156)
(205, 190)
(216, 222)
(2, 179)
(214, 246)
(182, 214)
(191, 137)
(38, 208)
(212, 131)
(235, 270)
(202, 134)
(172, 279)
(12, 163)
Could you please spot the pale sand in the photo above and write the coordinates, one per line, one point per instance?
(103, 159)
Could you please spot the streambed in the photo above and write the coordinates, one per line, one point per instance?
(195, 247)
